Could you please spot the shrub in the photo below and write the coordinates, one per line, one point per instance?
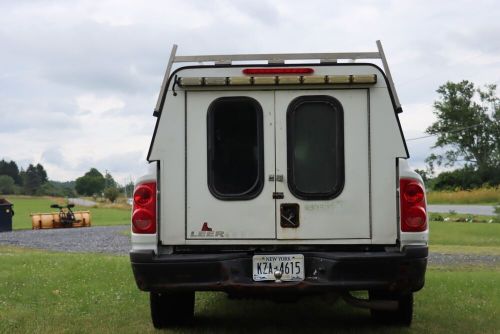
(111, 194)
(436, 217)
(466, 178)
(7, 185)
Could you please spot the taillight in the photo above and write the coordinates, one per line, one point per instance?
(413, 210)
(144, 212)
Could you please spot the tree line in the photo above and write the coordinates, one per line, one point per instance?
(15, 180)
(34, 181)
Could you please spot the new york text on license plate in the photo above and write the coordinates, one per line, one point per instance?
(291, 267)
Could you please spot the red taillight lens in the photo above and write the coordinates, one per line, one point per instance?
(413, 210)
(144, 211)
(416, 217)
(143, 222)
(280, 70)
(143, 195)
(413, 192)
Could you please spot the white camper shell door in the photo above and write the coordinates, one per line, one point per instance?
(328, 185)
(230, 154)
(322, 152)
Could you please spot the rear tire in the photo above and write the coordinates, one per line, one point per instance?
(402, 316)
(170, 309)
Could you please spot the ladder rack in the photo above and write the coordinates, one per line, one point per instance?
(275, 58)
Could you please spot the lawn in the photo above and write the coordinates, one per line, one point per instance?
(48, 292)
(25, 205)
(464, 234)
(465, 238)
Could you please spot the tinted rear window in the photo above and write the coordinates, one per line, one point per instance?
(235, 148)
(315, 140)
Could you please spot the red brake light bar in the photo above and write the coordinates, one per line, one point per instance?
(280, 70)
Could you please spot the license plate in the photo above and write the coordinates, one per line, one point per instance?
(291, 267)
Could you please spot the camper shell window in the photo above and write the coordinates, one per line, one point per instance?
(315, 147)
(235, 148)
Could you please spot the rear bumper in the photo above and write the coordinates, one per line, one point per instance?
(324, 271)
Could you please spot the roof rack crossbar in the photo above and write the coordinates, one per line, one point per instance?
(275, 58)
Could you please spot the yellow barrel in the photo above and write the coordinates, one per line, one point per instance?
(42, 220)
(45, 220)
(36, 221)
(82, 219)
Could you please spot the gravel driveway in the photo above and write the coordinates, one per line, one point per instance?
(113, 240)
(100, 239)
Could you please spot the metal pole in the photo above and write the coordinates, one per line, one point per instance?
(165, 78)
(389, 76)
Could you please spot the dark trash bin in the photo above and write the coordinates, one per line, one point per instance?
(6, 214)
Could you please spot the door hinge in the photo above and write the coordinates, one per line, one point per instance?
(277, 178)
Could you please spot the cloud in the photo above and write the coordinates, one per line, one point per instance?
(95, 105)
(53, 156)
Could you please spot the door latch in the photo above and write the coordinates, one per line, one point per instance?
(278, 195)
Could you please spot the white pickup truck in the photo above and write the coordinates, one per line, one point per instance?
(279, 176)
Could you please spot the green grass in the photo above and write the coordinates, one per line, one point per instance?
(25, 205)
(489, 196)
(49, 292)
(460, 249)
(464, 234)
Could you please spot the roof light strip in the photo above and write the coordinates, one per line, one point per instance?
(279, 80)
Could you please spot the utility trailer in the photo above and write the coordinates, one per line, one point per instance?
(279, 176)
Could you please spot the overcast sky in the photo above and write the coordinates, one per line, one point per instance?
(79, 79)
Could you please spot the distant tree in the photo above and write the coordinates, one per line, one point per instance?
(109, 181)
(94, 172)
(64, 189)
(41, 173)
(10, 168)
(467, 125)
(90, 183)
(111, 193)
(33, 178)
(49, 189)
(462, 178)
(7, 185)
